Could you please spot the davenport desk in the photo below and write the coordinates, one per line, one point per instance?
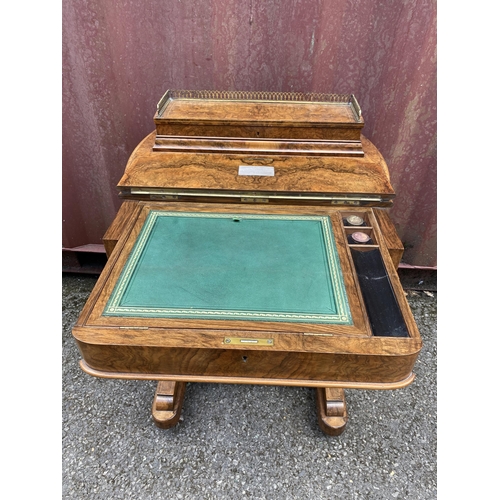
(253, 246)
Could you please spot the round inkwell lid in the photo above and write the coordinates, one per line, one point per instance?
(355, 220)
(360, 237)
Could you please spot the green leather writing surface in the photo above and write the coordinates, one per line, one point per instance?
(233, 266)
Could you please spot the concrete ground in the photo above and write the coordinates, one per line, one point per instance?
(236, 441)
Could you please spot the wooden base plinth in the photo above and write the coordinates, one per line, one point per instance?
(167, 403)
(332, 410)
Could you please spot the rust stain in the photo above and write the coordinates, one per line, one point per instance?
(120, 57)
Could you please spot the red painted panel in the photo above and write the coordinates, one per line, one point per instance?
(120, 57)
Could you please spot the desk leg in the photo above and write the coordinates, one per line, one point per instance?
(167, 404)
(332, 410)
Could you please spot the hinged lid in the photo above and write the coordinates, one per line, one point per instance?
(189, 286)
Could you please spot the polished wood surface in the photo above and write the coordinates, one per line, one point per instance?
(270, 123)
(374, 386)
(211, 364)
(294, 174)
(332, 410)
(391, 238)
(254, 112)
(316, 147)
(167, 403)
(185, 348)
(128, 212)
(361, 324)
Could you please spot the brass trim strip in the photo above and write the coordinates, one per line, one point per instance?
(261, 96)
(162, 103)
(356, 107)
(242, 95)
(243, 194)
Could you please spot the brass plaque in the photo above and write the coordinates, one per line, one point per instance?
(247, 341)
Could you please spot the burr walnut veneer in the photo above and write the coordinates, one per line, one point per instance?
(229, 260)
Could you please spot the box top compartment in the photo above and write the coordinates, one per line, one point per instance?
(265, 122)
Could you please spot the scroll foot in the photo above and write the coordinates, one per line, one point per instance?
(167, 403)
(332, 410)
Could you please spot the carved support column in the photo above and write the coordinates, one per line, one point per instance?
(167, 403)
(332, 410)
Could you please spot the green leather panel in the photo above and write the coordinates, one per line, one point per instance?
(233, 266)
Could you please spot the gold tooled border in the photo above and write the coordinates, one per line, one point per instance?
(343, 317)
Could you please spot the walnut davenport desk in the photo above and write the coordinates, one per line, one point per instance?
(253, 246)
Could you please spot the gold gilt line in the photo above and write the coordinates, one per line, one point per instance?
(198, 312)
(132, 261)
(335, 271)
(336, 278)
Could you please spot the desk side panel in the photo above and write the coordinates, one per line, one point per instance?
(391, 238)
(127, 213)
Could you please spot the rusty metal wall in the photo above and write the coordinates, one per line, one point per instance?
(120, 57)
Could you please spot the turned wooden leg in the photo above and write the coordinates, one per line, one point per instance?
(167, 404)
(332, 410)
